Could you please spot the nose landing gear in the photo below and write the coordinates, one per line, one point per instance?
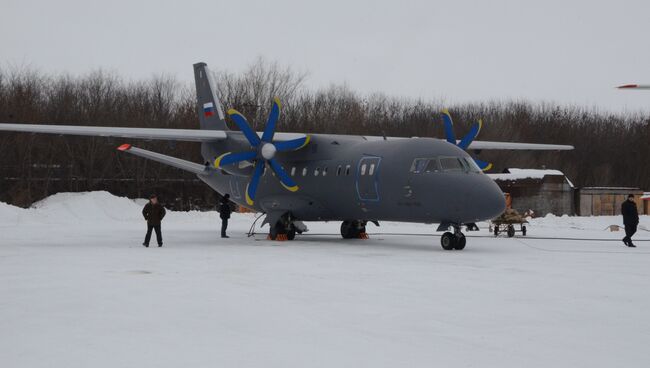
(455, 240)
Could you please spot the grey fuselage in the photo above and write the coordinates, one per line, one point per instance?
(329, 172)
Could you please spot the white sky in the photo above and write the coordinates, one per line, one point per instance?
(572, 51)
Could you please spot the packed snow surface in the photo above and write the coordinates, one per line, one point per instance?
(77, 289)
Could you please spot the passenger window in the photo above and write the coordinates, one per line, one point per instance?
(347, 170)
(325, 171)
(316, 171)
(293, 171)
(432, 166)
(371, 170)
(304, 171)
(451, 164)
(338, 170)
(363, 169)
(419, 164)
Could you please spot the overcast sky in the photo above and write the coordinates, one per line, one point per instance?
(572, 52)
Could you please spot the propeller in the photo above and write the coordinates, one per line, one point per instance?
(466, 140)
(263, 151)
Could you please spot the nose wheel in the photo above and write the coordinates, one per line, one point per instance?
(455, 240)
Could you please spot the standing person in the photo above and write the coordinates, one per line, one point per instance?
(224, 213)
(630, 219)
(153, 212)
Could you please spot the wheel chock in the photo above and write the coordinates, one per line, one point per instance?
(364, 236)
(279, 237)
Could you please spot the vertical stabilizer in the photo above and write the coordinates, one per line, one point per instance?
(207, 103)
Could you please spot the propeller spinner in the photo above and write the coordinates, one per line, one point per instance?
(263, 151)
(466, 140)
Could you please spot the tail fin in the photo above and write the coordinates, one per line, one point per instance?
(207, 103)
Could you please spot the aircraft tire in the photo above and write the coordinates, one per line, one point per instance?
(448, 241)
(291, 234)
(347, 230)
(460, 243)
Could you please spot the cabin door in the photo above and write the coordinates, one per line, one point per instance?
(368, 178)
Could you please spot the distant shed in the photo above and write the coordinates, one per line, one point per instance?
(543, 191)
(606, 201)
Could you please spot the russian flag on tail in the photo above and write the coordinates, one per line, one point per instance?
(208, 109)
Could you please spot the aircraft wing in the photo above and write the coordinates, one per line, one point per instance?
(187, 135)
(487, 145)
(164, 159)
(191, 135)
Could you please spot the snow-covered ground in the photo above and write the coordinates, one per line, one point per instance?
(78, 290)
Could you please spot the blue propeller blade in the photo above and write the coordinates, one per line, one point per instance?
(449, 126)
(231, 158)
(251, 189)
(485, 166)
(292, 145)
(285, 179)
(269, 130)
(471, 135)
(243, 125)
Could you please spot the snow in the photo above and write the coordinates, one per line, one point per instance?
(78, 290)
(517, 174)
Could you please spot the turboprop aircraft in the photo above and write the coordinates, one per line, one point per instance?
(295, 177)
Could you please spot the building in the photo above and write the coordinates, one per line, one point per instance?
(542, 191)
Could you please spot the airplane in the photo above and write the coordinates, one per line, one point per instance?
(634, 86)
(296, 177)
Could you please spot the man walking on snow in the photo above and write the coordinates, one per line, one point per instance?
(630, 219)
(224, 213)
(153, 212)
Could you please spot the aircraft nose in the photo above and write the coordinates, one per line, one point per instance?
(491, 201)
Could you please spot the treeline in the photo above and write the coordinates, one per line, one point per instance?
(611, 149)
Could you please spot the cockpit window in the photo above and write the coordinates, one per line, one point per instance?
(419, 164)
(473, 167)
(451, 164)
(432, 166)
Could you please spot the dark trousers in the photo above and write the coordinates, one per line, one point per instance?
(147, 237)
(224, 226)
(629, 231)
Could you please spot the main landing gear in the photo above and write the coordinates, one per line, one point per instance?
(354, 229)
(455, 240)
(284, 229)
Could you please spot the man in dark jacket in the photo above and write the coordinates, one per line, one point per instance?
(153, 212)
(630, 219)
(224, 213)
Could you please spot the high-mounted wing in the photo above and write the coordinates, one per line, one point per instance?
(487, 145)
(191, 135)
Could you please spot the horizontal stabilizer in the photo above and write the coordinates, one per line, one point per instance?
(487, 145)
(190, 135)
(164, 159)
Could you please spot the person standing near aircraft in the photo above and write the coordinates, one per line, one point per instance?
(630, 219)
(224, 213)
(153, 212)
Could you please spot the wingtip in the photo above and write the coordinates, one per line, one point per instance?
(124, 147)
